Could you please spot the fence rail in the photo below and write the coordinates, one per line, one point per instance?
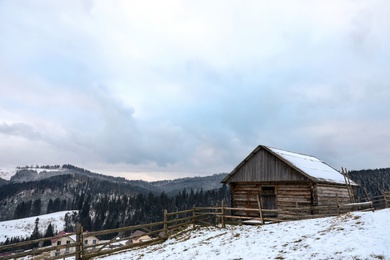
(174, 222)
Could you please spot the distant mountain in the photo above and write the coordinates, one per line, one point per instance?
(24, 174)
(39, 190)
(172, 187)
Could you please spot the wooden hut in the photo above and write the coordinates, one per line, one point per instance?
(287, 181)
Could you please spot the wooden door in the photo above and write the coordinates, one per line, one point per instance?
(268, 200)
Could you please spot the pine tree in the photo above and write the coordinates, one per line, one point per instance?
(36, 208)
(49, 233)
(50, 206)
(35, 234)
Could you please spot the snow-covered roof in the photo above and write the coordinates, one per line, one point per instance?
(311, 166)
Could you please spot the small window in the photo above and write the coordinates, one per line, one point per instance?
(94, 241)
(57, 252)
(85, 242)
(268, 190)
(68, 241)
(58, 242)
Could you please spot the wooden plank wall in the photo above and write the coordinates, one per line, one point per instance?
(264, 166)
(288, 196)
(293, 196)
(329, 194)
(245, 196)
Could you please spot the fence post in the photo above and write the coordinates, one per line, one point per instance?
(79, 242)
(193, 217)
(338, 204)
(223, 213)
(165, 223)
(386, 196)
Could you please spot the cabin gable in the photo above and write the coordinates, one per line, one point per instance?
(263, 166)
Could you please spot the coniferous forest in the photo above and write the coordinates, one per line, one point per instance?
(99, 203)
(102, 202)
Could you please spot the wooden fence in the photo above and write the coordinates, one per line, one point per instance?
(386, 197)
(122, 238)
(172, 224)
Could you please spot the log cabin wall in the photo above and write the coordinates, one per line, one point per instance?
(294, 195)
(244, 195)
(287, 196)
(329, 194)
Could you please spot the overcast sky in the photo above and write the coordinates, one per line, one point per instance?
(166, 89)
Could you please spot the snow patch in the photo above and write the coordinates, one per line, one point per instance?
(25, 226)
(6, 174)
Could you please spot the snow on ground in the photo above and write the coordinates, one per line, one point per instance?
(358, 235)
(25, 226)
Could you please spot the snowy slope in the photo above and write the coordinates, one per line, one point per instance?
(353, 236)
(6, 174)
(25, 226)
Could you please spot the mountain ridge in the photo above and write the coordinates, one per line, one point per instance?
(52, 188)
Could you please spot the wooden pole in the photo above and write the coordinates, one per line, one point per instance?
(260, 210)
(223, 213)
(165, 223)
(338, 204)
(79, 241)
(365, 192)
(343, 171)
(193, 217)
(350, 187)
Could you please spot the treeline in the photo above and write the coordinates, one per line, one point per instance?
(106, 211)
(33, 198)
(39, 167)
(32, 208)
(111, 210)
(374, 181)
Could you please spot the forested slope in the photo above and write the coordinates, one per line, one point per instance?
(374, 181)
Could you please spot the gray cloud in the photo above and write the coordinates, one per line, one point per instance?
(19, 129)
(192, 89)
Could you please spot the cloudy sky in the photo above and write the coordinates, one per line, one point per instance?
(166, 89)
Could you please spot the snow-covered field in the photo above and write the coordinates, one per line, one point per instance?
(359, 235)
(24, 227)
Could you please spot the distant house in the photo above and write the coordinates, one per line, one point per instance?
(278, 179)
(64, 238)
(90, 240)
(139, 236)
